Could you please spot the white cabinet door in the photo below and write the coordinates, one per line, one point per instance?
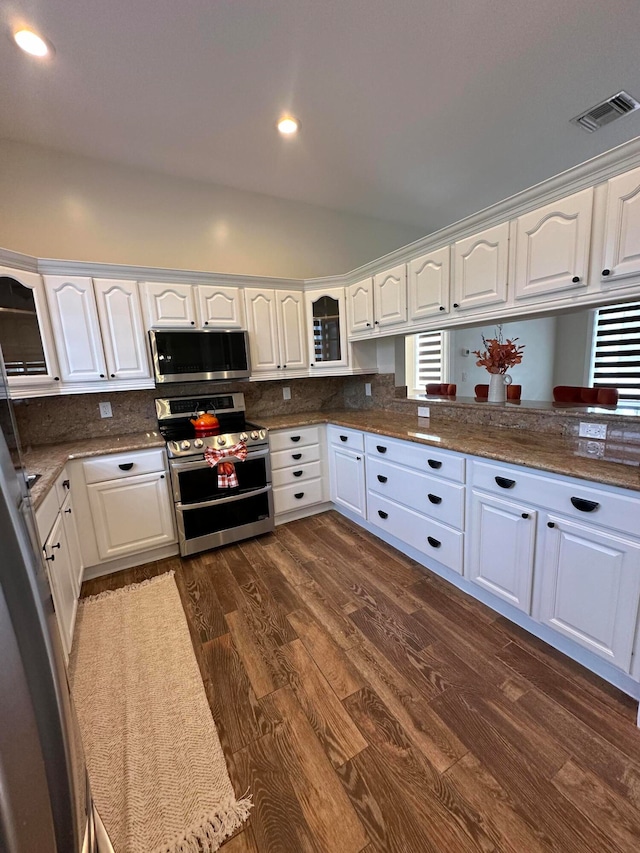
(71, 535)
(63, 589)
(428, 285)
(291, 330)
(76, 329)
(123, 334)
(501, 542)
(131, 514)
(552, 247)
(27, 338)
(262, 321)
(327, 328)
(589, 587)
(169, 305)
(390, 296)
(480, 268)
(621, 257)
(220, 307)
(360, 307)
(347, 478)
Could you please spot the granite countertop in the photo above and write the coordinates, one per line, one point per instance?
(48, 460)
(613, 464)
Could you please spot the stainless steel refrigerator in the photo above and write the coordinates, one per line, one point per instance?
(45, 799)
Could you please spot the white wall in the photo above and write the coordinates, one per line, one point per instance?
(56, 205)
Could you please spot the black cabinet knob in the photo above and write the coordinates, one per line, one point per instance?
(162, 476)
(606, 272)
(206, 322)
(525, 515)
(551, 524)
(50, 559)
(278, 367)
(358, 458)
(284, 366)
(455, 305)
(102, 376)
(66, 484)
(113, 376)
(575, 279)
(193, 322)
(56, 379)
(442, 307)
(368, 324)
(57, 545)
(68, 511)
(376, 323)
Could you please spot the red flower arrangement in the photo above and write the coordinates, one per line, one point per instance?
(499, 355)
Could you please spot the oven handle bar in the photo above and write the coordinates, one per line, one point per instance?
(216, 501)
(202, 463)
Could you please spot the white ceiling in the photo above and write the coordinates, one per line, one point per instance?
(418, 111)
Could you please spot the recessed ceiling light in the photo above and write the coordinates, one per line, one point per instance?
(31, 43)
(288, 125)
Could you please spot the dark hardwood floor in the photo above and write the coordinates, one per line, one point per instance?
(370, 706)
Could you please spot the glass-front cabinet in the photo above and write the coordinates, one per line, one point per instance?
(25, 331)
(327, 328)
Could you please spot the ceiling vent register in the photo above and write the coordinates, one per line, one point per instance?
(606, 112)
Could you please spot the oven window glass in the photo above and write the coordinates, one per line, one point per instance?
(201, 483)
(223, 516)
(200, 352)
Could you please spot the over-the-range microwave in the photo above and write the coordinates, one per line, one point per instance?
(199, 355)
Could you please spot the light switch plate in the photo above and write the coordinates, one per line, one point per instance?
(367, 389)
(105, 410)
(286, 393)
(423, 411)
(591, 430)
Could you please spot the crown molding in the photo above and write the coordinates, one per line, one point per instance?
(18, 261)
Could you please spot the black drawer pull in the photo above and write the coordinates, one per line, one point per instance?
(380, 448)
(382, 479)
(126, 466)
(435, 543)
(299, 495)
(66, 484)
(584, 505)
(504, 483)
(297, 473)
(344, 437)
(435, 499)
(383, 514)
(50, 559)
(68, 511)
(434, 463)
(296, 456)
(55, 546)
(295, 437)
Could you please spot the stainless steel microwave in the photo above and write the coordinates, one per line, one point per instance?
(199, 355)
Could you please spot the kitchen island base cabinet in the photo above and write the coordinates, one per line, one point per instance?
(589, 587)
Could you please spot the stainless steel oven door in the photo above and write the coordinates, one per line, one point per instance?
(195, 481)
(224, 520)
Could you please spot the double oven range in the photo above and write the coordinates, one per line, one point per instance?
(208, 515)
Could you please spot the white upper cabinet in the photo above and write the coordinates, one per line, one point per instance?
(480, 269)
(169, 305)
(621, 255)
(326, 327)
(219, 307)
(262, 321)
(360, 306)
(552, 247)
(428, 285)
(122, 328)
(291, 330)
(390, 296)
(25, 330)
(74, 318)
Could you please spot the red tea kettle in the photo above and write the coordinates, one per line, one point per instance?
(205, 422)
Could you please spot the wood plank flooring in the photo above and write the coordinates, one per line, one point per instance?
(371, 706)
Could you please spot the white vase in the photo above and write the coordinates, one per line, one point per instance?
(498, 387)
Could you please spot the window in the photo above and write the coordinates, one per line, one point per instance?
(425, 360)
(615, 355)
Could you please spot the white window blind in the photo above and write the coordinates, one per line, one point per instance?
(615, 361)
(425, 360)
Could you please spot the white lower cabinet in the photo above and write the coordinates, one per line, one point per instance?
(131, 514)
(589, 586)
(501, 548)
(298, 466)
(347, 475)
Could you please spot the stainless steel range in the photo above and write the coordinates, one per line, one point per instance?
(209, 514)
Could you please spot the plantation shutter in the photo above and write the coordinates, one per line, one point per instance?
(429, 358)
(616, 351)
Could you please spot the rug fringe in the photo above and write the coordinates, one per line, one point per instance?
(114, 593)
(208, 836)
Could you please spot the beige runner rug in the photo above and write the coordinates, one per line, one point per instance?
(157, 770)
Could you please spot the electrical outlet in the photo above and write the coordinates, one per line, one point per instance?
(423, 411)
(286, 393)
(105, 410)
(590, 430)
(464, 376)
(367, 389)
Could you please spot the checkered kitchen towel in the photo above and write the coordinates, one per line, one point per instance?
(227, 476)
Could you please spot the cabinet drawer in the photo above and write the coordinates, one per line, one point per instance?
(345, 437)
(287, 498)
(295, 456)
(427, 536)
(119, 465)
(438, 463)
(431, 496)
(296, 474)
(573, 498)
(287, 438)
